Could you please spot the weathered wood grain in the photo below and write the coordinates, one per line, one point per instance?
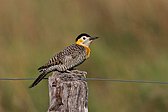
(67, 92)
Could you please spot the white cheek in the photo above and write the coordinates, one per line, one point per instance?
(88, 43)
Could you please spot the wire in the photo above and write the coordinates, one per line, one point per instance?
(3, 79)
(98, 79)
(126, 81)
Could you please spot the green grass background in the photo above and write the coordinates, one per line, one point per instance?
(133, 45)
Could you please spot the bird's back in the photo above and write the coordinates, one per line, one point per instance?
(68, 58)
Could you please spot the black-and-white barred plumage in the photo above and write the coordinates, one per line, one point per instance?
(65, 60)
(68, 58)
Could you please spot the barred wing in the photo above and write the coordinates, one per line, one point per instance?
(69, 62)
(74, 59)
(53, 61)
(68, 58)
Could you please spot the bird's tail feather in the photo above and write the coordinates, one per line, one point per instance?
(39, 78)
(42, 67)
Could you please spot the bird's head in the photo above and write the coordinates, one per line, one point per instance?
(85, 39)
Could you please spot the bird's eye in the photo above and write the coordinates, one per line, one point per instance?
(84, 38)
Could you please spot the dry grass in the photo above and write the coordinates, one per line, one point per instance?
(133, 45)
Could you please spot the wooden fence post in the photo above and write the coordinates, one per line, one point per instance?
(67, 92)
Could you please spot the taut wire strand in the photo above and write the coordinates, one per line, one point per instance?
(99, 79)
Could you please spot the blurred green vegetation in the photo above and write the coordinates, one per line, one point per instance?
(133, 45)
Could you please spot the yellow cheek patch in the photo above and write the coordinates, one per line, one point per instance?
(79, 42)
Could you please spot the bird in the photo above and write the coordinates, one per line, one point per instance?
(68, 58)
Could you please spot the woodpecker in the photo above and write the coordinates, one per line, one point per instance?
(68, 58)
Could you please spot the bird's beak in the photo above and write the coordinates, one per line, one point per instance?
(93, 38)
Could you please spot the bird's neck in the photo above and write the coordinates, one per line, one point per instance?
(87, 51)
(86, 48)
